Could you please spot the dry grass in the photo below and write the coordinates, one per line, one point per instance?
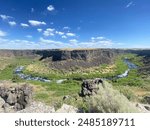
(109, 100)
(40, 68)
(140, 92)
(5, 61)
(108, 69)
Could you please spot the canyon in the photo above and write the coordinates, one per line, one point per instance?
(77, 57)
(66, 76)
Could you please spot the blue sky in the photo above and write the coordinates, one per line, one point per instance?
(47, 24)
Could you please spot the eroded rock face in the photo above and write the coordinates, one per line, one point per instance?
(15, 98)
(147, 99)
(67, 59)
(2, 102)
(91, 86)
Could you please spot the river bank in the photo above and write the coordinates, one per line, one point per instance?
(19, 72)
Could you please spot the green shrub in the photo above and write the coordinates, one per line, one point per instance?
(109, 100)
(125, 90)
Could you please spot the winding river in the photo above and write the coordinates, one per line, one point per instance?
(130, 66)
(19, 71)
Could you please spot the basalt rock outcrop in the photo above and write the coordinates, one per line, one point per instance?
(67, 59)
(59, 55)
(147, 99)
(145, 69)
(90, 87)
(17, 53)
(13, 99)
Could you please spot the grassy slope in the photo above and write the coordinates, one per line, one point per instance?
(7, 72)
(41, 69)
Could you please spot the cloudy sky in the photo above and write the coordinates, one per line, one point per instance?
(46, 24)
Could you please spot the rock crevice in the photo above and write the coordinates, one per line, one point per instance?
(15, 98)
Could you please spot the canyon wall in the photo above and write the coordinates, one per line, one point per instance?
(66, 59)
(59, 55)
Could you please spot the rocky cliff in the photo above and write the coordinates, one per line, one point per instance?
(64, 59)
(59, 55)
(14, 53)
(67, 59)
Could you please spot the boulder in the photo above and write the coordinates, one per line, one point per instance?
(3, 92)
(66, 97)
(91, 86)
(27, 90)
(18, 106)
(147, 99)
(2, 102)
(15, 98)
(144, 108)
(12, 98)
(8, 108)
(147, 107)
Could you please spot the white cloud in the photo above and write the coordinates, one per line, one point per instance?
(100, 38)
(97, 38)
(105, 43)
(39, 30)
(59, 33)
(50, 29)
(26, 44)
(70, 34)
(55, 44)
(50, 8)
(66, 28)
(64, 37)
(47, 43)
(2, 33)
(5, 17)
(12, 23)
(73, 41)
(32, 10)
(24, 25)
(129, 4)
(50, 41)
(101, 41)
(49, 32)
(29, 36)
(36, 23)
(17, 44)
(92, 38)
(46, 33)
